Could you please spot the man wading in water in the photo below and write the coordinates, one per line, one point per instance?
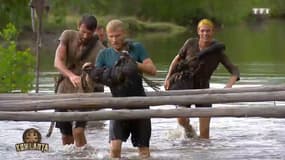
(76, 48)
(193, 67)
(119, 130)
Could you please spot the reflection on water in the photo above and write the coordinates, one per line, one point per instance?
(260, 59)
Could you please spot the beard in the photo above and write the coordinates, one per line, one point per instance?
(84, 41)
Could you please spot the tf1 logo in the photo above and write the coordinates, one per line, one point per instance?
(261, 11)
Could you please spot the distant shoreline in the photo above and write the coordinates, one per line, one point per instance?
(51, 30)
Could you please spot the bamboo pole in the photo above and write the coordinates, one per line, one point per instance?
(137, 102)
(42, 96)
(265, 112)
(37, 49)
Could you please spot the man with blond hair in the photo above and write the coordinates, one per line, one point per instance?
(119, 130)
(201, 66)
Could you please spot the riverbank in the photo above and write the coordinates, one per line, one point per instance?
(53, 27)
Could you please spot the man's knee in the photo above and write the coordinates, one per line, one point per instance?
(79, 131)
(183, 121)
(78, 128)
(115, 148)
(67, 139)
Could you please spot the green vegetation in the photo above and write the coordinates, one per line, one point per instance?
(14, 11)
(16, 66)
(181, 12)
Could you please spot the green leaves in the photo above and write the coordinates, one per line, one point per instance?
(16, 73)
(9, 33)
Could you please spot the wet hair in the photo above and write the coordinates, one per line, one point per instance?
(89, 21)
(206, 22)
(115, 24)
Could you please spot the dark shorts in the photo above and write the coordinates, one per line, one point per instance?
(140, 130)
(66, 127)
(200, 84)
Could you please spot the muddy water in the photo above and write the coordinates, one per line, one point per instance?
(231, 138)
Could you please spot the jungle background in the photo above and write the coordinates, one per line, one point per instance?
(181, 12)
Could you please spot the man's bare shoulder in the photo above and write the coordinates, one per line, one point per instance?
(68, 34)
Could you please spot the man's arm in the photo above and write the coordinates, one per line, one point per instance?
(235, 74)
(231, 81)
(59, 64)
(144, 62)
(147, 66)
(170, 70)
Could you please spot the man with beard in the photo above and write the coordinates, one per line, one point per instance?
(76, 48)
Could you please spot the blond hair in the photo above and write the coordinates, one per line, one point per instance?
(206, 22)
(114, 25)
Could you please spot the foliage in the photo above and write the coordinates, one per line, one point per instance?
(188, 12)
(183, 12)
(16, 66)
(14, 11)
(9, 33)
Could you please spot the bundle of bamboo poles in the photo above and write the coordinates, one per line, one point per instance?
(12, 104)
(266, 112)
(42, 96)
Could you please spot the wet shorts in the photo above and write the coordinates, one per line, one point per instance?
(140, 130)
(66, 127)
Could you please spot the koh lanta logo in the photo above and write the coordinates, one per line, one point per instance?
(32, 141)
